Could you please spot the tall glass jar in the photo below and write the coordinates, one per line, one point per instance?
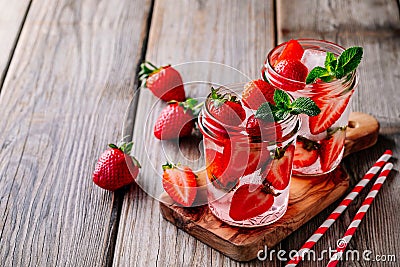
(241, 188)
(320, 144)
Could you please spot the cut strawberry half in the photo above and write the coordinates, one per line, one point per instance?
(331, 110)
(331, 148)
(180, 184)
(293, 50)
(247, 203)
(306, 152)
(278, 175)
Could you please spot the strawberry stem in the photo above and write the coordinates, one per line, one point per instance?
(167, 166)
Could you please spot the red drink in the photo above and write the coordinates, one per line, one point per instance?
(321, 139)
(248, 172)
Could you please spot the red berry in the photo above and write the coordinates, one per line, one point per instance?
(250, 200)
(265, 129)
(292, 69)
(174, 122)
(306, 152)
(116, 168)
(293, 50)
(164, 82)
(331, 149)
(278, 175)
(256, 93)
(226, 110)
(180, 184)
(331, 110)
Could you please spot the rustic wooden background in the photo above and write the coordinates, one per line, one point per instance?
(68, 74)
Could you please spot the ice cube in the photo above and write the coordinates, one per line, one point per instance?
(313, 58)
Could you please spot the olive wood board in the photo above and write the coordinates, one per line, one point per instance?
(243, 244)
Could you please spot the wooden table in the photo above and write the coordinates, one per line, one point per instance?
(68, 72)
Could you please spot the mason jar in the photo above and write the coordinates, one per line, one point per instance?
(241, 188)
(320, 143)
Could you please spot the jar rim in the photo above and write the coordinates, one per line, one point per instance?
(213, 131)
(309, 41)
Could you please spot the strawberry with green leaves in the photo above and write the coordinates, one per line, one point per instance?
(177, 119)
(226, 109)
(332, 107)
(164, 82)
(180, 184)
(116, 167)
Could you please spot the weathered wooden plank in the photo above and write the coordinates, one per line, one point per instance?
(374, 25)
(236, 33)
(325, 19)
(12, 16)
(63, 100)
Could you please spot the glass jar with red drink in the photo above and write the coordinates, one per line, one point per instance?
(248, 172)
(320, 143)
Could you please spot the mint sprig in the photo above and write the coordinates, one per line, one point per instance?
(284, 106)
(337, 68)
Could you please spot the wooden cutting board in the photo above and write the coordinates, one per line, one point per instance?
(308, 197)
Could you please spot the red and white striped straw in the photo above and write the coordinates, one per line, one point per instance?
(339, 210)
(342, 243)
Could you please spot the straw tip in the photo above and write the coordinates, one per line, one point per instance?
(389, 165)
(390, 152)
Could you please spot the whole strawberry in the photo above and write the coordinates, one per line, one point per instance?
(292, 69)
(164, 82)
(226, 109)
(116, 167)
(176, 120)
(257, 92)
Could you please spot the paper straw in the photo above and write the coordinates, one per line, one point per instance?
(342, 243)
(340, 209)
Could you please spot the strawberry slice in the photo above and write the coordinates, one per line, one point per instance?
(247, 203)
(293, 50)
(306, 152)
(331, 110)
(257, 92)
(278, 175)
(331, 148)
(180, 184)
(219, 171)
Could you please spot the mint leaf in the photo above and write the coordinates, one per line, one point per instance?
(330, 62)
(350, 59)
(304, 105)
(284, 106)
(316, 73)
(339, 72)
(264, 112)
(281, 98)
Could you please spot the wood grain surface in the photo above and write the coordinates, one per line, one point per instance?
(308, 196)
(374, 25)
(236, 33)
(12, 18)
(70, 79)
(69, 72)
(244, 244)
